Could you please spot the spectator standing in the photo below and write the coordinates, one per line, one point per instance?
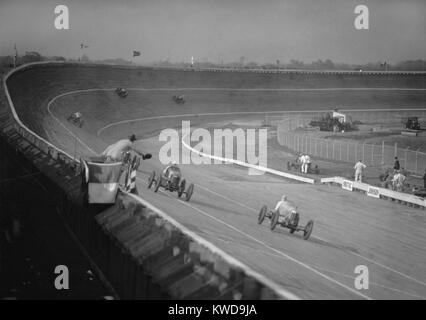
(396, 165)
(359, 169)
(308, 163)
(303, 163)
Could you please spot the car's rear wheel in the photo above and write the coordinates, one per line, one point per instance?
(151, 179)
(308, 230)
(181, 189)
(189, 192)
(274, 220)
(262, 214)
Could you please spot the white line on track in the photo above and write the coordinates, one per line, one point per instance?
(274, 250)
(350, 252)
(352, 277)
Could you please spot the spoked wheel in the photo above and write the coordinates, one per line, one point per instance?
(181, 188)
(262, 214)
(308, 230)
(157, 184)
(189, 192)
(151, 179)
(274, 220)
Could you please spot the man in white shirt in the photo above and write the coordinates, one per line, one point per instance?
(116, 151)
(359, 168)
(302, 162)
(307, 163)
(398, 181)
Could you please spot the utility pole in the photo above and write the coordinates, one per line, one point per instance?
(15, 57)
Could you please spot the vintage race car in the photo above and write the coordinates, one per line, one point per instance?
(295, 165)
(121, 92)
(76, 119)
(172, 182)
(179, 99)
(291, 223)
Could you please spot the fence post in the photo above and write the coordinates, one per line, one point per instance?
(326, 149)
(406, 160)
(356, 151)
(383, 153)
(417, 154)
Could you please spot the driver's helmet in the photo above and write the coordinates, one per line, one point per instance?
(284, 197)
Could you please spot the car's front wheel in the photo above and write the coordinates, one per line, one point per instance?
(274, 220)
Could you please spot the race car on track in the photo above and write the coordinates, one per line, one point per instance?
(171, 180)
(179, 99)
(76, 118)
(291, 223)
(121, 92)
(296, 165)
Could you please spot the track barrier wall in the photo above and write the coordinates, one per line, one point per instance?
(381, 193)
(138, 251)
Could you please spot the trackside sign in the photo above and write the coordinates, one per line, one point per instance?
(373, 192)
(347, 185)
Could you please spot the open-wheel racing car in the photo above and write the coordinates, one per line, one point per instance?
(296, 165)
(76, 119)
(291, 223)
(179, 99)
(172, 181)
(121, 92)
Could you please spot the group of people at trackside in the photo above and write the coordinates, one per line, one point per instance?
(305, 162)
(395, 178)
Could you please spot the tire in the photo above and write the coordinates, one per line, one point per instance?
(262, 214)
(157, 184)
(181, 189)
(274, 220)
(189, 192)
(308, 230)
(151, 179)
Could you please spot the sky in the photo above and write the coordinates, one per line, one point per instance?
(218, 30)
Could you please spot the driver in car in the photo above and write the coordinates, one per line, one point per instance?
(285, 208)
(173, 168)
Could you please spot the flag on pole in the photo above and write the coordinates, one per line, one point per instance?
(15, 58)
(102, 180)
(130, 181)
(136, 54)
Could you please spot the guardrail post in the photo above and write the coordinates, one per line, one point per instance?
(406, 160)
(416, 166)
(363, 152)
